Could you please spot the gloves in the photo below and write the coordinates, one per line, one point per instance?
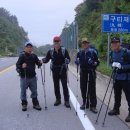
(90, 61)
(24, 65)
(116, 65)
(18, 70)
(77, 61)
(44, 60)
(39, 64)
(67, 61)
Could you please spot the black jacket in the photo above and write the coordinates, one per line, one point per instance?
(58, 59)
(31, 60)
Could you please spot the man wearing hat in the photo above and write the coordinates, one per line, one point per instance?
(60, 59)
(88, 61)
(120, 60)
(25, 66)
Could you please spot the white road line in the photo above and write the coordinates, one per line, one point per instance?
(84, 120)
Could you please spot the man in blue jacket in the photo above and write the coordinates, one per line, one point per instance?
(120, 59)
(88, 60)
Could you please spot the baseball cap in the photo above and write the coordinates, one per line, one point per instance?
(85, 40)
(28, 44)
(56, 38)
(115, 39)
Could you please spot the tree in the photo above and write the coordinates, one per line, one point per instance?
(11, 34)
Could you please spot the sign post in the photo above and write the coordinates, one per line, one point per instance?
(115, 23)
(108, 50)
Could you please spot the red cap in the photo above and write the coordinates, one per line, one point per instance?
(56, 38)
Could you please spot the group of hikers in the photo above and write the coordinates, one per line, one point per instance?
(87, 60)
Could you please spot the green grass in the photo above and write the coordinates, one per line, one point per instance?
(104, 69)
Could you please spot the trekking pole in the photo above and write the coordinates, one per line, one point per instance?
(25, 75)
(114, 76)
(25, 72)
(68, 80)
(43, 83)
(67, 74)
(50, 72)
(50, 68)
(86, 99)
(77, 87)
(44, 87)
(104, 97)
(66, 66)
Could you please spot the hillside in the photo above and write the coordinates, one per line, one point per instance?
(11, 34)
(88, 15)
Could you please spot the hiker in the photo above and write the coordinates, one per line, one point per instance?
(87, 58)
(59, 64)
(25, 66)
(120, 60)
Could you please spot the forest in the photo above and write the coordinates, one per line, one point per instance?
(12, 35)
(88, 15)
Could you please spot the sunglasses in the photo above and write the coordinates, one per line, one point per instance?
(56, 41)
(85, 42)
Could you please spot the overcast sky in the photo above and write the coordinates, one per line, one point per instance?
(42, 19)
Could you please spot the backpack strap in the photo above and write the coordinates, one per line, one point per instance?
(80, 53)
(110, 57)
(52, 52)
(93, 51)
(125, 55)
(63, 51)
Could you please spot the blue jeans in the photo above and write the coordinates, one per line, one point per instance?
(30, 83)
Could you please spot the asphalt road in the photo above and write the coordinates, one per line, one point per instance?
(7, 61)
(55, 118)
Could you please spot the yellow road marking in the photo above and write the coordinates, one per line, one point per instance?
(6, 69)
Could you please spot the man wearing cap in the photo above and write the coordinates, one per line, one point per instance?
(120, 61)
(60, 59)
(25, 66)
(88, 61)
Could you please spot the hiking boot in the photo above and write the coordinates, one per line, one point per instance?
(67, 104)
(36, 104)
(57, 103)
(24, 105)
(128, 118)
(113, 112)
(94, 110)
(37, 107)
(82, 107)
